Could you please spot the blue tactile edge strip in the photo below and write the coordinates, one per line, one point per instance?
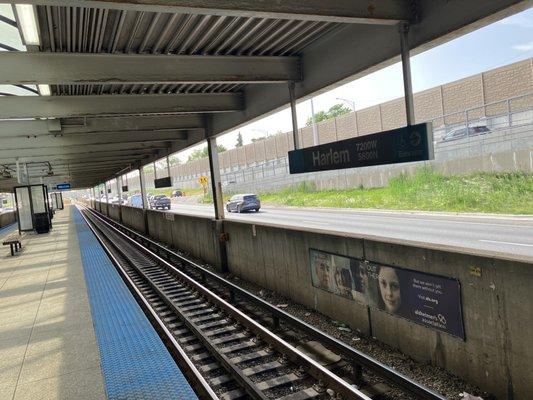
(135, 363)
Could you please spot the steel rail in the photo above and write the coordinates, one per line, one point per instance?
(357, 357)
(187, 367)
(312, 367)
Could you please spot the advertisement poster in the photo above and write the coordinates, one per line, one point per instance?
(430, 300)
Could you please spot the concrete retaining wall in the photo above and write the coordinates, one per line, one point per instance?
(104, 208)
(134, 218)
(114, 212)
(194, 235)
(496, 354)
(7, 219)
(497, 305)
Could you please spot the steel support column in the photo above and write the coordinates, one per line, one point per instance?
(19, 174)
(26, 173)
(105, 192)
(315, 129)
(292, 99)
(214, 169)
(216, 189)
(406, 70)
(143, 188)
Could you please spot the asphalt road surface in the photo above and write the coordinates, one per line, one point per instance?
(503, 234)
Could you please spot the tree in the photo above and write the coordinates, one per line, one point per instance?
(239, 140)
(174, 160)
(335, 111)
(202, 153)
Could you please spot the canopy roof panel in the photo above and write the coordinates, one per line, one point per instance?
(134, 80)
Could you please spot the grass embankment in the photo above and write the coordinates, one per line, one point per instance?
(427, 190)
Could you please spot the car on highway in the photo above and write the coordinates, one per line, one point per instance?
(461, 133)
(177, 193)
(160, 201)
(135, 200)
(243, 202)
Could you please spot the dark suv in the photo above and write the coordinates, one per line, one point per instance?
(243, 202)
(160, 201)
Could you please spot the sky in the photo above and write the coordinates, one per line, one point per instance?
(504, 42)
(501, 43)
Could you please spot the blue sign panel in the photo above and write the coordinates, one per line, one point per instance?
(63, 186)
(407, 144)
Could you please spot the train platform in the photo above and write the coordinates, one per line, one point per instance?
(69, 327)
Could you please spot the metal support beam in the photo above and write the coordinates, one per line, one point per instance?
(315, 128)
(110, 125)
(19, 172)
(294, 116)
(143, 188)
(218, 200)
(384, 12)
(406, 70)
(88, 139)
(106, 194)
(79, 68)
(12, 107)
(26, 173)
(82, 150)
(119, 190)
(214, 169)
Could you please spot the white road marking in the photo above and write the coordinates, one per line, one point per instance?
(511, 243)
(316, 222)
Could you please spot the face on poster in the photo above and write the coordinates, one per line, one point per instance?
(321, 270)
(430, 300)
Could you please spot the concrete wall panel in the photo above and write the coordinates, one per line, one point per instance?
(393, 114)
(369, 120)
(250, 153)
(326, 131)
(133, 218)
(114, 212)
(428, 105)
(508, 81)
(461, 95)
(259, 150)
(345, 125)
(270, 148)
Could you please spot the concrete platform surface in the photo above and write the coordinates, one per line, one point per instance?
(48, 348)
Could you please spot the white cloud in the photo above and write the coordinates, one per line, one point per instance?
(524, 46)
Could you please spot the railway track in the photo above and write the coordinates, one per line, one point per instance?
(218, 332)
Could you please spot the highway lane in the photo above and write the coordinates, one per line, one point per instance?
(509, 235)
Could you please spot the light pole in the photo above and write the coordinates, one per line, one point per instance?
(352, 104)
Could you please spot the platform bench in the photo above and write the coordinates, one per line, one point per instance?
(14, 241)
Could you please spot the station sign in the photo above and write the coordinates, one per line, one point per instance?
(124, 188)
(62, 186)
(407, 144)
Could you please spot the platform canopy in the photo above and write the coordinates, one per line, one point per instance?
(125, 82)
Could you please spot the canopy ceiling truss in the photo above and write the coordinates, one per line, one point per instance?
(131, 81)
